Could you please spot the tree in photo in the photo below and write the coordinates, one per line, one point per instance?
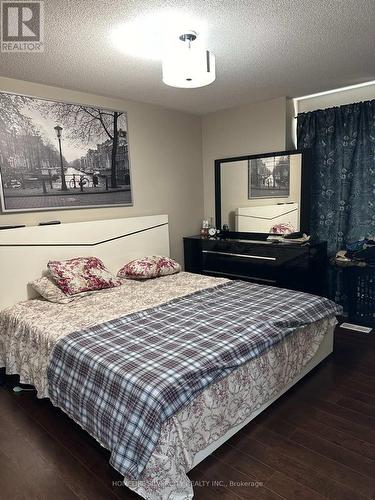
(86, 123)
(11, 117)
(21, 145)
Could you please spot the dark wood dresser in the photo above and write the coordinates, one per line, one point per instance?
(287, 265)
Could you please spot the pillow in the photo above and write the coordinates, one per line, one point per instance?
(81, 274)
(153, 266)
(50, 291)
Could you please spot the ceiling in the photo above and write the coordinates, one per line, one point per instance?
(263, 48)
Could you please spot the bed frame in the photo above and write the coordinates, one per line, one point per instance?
(24, 253)
(325, 349)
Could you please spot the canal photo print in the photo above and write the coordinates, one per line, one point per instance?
(269, 177)
(56, 155)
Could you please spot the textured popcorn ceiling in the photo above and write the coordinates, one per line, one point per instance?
(264, 49)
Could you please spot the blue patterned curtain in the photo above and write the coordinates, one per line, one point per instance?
(342, 141)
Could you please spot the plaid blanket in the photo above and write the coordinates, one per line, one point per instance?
(122, 379)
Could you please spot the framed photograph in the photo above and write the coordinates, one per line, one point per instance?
(56, 155)
(269, 177)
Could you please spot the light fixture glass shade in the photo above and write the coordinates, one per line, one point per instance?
(188, 67)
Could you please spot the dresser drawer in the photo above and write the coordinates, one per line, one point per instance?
(246, 266)
(289, 266)
(239, 248)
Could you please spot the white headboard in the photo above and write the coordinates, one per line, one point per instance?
(25, 252)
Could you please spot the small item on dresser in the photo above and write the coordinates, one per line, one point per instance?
(212, 231)
(296, 238)
(222, 234)
(275, 237)
(204, 228)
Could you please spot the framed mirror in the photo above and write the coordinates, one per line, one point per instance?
(257, 195)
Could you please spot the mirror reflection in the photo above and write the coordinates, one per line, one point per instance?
(262, 194)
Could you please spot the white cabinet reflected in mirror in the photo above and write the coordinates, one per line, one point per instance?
(268, 193)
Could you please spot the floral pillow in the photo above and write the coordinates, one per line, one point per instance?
(81, 274)
(152, 266)
(50, 291)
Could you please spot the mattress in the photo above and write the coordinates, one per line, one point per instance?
(30, 330)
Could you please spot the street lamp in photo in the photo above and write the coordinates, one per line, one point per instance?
(58, 131)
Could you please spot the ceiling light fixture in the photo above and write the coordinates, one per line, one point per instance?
(188, 65)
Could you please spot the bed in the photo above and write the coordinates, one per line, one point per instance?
(30, 330)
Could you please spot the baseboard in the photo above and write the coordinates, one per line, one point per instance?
(356, 328)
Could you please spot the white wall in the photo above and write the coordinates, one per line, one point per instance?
(249, 129)
(166, 164)
(336, 99)
(291, 124)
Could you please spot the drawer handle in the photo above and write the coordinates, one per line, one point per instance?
(246, 256)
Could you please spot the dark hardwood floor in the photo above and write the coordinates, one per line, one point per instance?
(317, 441)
